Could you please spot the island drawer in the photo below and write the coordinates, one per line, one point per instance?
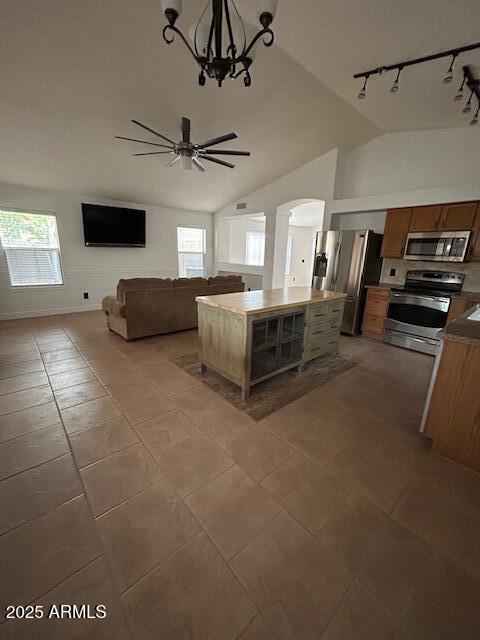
(321, 344)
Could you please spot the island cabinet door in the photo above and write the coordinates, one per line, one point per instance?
(276, 343)
(223, 342)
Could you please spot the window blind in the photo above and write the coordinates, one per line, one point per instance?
(31, 246)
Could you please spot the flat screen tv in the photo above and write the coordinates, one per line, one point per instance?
(113, 226)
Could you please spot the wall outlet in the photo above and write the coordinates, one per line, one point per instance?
(86, 295)
(393, 272)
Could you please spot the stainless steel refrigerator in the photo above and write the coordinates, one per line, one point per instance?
(346, 261)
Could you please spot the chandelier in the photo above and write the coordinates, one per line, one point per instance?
(220, 42)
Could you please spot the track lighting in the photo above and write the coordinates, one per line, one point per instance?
(363, 91)
(468, 107)
(474, 120)
(459, 94)
(449, 75)
(396, 85)
(470, 81)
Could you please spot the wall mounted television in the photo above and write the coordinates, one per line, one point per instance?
(113, 226)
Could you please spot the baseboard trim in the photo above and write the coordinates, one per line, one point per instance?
(17, 315)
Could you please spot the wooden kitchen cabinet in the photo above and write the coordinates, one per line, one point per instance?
(458, 217)
(395, 234)
(376, 308)
(426, 218)
(474, 249)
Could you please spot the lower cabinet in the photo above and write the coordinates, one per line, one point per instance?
(322, 329)
(376, 308)
(277, 342)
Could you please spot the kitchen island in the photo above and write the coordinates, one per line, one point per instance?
(251, 336)
(452, 412)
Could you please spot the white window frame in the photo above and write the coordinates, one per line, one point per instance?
(204, 253)
(32, 286)
(248, 259)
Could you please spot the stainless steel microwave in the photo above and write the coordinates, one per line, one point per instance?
(436, 246)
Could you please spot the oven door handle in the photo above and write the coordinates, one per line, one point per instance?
(440, 304)
(418, 297)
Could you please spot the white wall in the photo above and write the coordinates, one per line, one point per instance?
(94, 269)
(374, 220)
(237, 237)
(411, 160)
(315, 180)
(302, 257)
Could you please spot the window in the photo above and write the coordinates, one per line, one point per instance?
(32, 250)
(191, 252)
(288, 261)
(255, 248)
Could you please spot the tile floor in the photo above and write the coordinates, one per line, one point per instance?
(125, 482)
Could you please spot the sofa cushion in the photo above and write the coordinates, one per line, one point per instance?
(224, 279)
(140, 284)
(192, 283)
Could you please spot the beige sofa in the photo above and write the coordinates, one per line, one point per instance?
(150, 306)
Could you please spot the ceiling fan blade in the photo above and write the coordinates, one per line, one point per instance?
(151, 153)
(154, 144)
(198, 164)
(225, 152)
(217, 161)
(214, 141)
(173, 161)
(155, 133)
(185, 129)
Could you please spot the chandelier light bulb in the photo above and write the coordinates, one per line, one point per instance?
(172, 9)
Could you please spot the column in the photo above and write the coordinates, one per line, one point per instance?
(276, 239)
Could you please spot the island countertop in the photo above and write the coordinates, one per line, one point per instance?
(462, 329)
(251, 302)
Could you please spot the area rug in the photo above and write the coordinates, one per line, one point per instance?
(270, 395)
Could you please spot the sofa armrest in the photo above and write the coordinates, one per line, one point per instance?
(112, 306)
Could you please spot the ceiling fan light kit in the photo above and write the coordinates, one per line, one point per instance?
(185, 151)
(221, 43)
(472, 83)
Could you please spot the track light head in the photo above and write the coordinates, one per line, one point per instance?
(363, 91)
(459, 94)
(468, 107)
(448, 77)
(396, 85)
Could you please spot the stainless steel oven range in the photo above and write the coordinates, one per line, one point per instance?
(418, 310)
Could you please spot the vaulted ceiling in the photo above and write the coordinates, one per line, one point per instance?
(75, 73)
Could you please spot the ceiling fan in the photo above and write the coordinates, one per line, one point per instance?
(185, 151)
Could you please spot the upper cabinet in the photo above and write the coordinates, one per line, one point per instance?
(395, 235)
(458, 217)
(426, 218)
(447, 217)
(474, 250)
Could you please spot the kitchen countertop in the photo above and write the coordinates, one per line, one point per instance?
(462, 329)
(251, 302)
